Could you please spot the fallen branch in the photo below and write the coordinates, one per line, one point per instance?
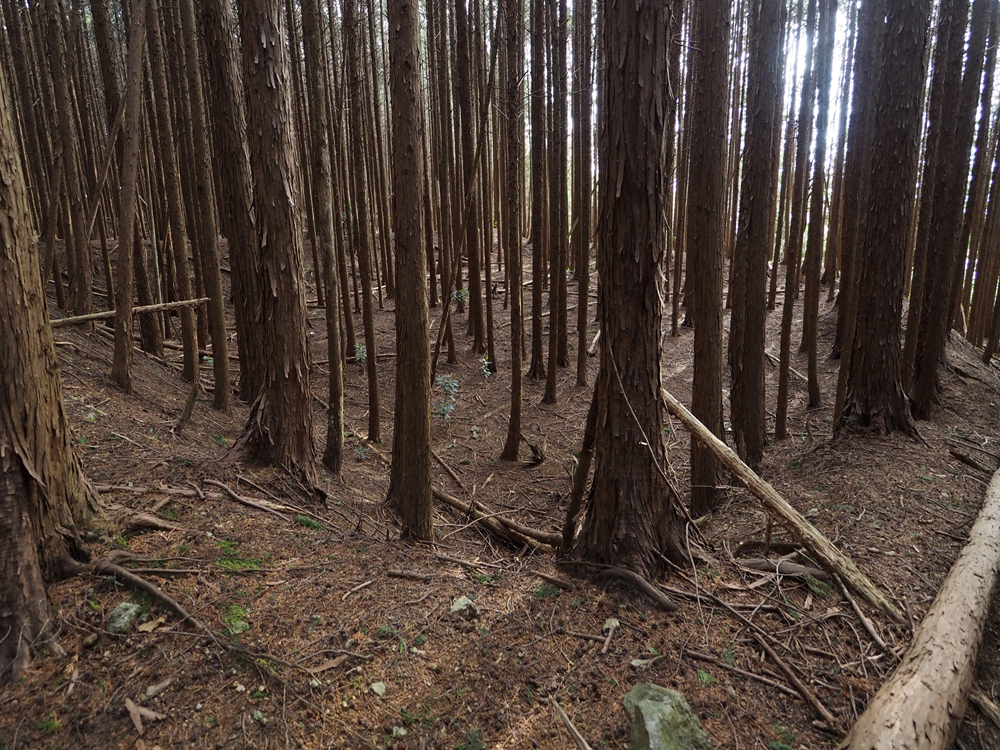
(506, 529)
(245, 501)
(968, 460)
(922, 704)
(986, 707)
(793, 678)
(107, 314)
(807, 534)
(868, 626)
(105, 567)
(447, 468)
(581, 743)
(752, 675)
(784, 568)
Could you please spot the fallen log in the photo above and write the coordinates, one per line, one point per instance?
(80, 319)
(921, 705)
(804, 532)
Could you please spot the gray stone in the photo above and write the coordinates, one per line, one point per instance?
(465, 608)
(122, 618)
(662, 720)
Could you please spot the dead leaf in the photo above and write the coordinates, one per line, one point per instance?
(154, 690)
(149, 627)
(329, 664)
(133, 711)
(148, 713)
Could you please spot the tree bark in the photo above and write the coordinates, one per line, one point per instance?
(410, 477)
(279, 430)
(757, 198)
(44, 497)
(875, 394)
(121, 368)
(815, 238)
(210, 272)
(514, 164)
(707, 232)
(949, 192)
(362, 228)
(633, 516)
(237, 214)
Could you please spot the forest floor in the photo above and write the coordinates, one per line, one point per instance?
(319, 643)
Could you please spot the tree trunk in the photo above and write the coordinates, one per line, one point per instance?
(410, 478)
(536, 370)
(172, 183)
(82, 279)
(469, 128)
(633, 516)
(121, 368)
(323, 240)
(949, 193)
(279, 430)
(757, 198)
(875, 395)
(513, 11)
(211, 275)
(817, 227)
(44, 496)
(237, 210)
(353, 59)
(707, 232)
(582, 169)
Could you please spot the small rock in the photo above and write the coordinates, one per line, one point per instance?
(378, 688)
(662, 720)
(198, 707)
(240, 687)
(465, 608)
(398, 733)
(258, 716)
(314, 683)
(122, 618)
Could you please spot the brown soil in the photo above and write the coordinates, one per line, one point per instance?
(312, 593)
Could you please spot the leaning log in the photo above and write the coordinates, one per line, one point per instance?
(831, 558)
(920, 707)
(162, 306)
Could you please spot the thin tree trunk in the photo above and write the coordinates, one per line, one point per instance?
(706, 233)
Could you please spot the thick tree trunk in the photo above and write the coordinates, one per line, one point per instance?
(875, 395)
(633, 516)
(920, 707)
(44, 496)
(279, 430)
(410, 479)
